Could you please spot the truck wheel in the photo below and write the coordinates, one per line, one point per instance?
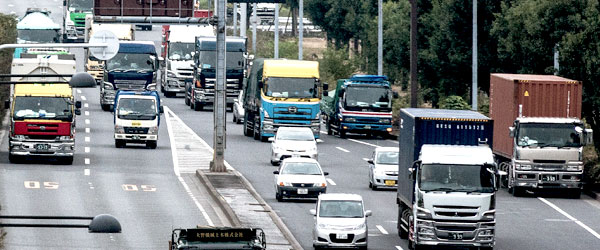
(329, 131)
(198, 106)
(517, 191)
(486, 248)
(235, 120)
(187, 100)
(151, 144)
(402, 215)
(119, 143)
(105, 107)
(256, 130)
(169, 94)
(67, 160)
(14, 158)
(342, 133)
(575, 194)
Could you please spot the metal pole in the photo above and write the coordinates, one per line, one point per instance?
(300, 27)
(276, 47)
(379, 37)
(556, 64)
(218, 162)
(254, 21)
(235, 25)
(413, 54)
(243, 19)
(474, 70)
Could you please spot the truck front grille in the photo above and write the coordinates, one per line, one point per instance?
(456, 214)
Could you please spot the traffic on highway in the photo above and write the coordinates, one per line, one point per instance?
(310, 164)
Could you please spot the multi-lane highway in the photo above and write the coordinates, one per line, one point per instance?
(140, 187)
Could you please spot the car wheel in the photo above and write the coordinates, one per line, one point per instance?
(187, 100)
(373, 187)
(14, 158)
(234, 119)
(278, 196)
(256, 130)
(105, 107)
(198, 106)
(119, 143)
(151, 144)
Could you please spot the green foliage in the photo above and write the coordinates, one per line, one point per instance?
(335, 65)
(288, 47)
(454, 102)
(342, 20)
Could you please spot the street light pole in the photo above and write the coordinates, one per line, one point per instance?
(276, 47)
(413, 54)
(218, 162)
(474, 70)
(301, 27)
(379, 37)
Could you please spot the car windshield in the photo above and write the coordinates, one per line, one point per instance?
(295, 135)
(136, 109)
(307, 168)
(181, 51)
(375, 98)
(387, 157)
(81, 4)
(130, 62)
(208, 60)
(291, 87)
(38, 36)
(35, 107)
(456, 178)
(549, 135)
(341, 209)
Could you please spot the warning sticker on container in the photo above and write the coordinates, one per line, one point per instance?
(526, 93)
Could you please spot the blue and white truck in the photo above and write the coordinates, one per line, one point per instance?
(133, 68)
(136, 118)
(361, 104)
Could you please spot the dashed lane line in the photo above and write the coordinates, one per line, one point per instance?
(86, 105)
(399, 248)
(331, 182)
(87, 161)
(87, 139)
(381, 229)
(86, 171)
(87, 130)
(584, 226)
(362, 142)
(87, 113)
(83, 98)
(79, 91)
(86, 149)
(343, 149)
(365, 159)
(87, 121)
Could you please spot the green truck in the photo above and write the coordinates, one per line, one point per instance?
(74, 13)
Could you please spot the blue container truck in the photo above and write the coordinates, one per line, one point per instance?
(447, 179)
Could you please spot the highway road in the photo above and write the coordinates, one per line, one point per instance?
(104, 179)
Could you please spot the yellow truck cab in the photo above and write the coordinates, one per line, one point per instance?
(42, 122)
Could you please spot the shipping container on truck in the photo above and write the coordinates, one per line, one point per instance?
(170, 8)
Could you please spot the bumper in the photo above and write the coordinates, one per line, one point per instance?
(136, 137)
(548, 180)
(442, 233)
(54, 148)
(292, 192)
(279, 155)
(270, 126)
(363, 128)
(329, 238)
(383, 181)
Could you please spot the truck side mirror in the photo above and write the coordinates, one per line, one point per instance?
(78, 104)
(588, 136)
(325, 87)
(511, 132)
(368, 213)
(6, 104)
(275, 172)
(77, 111)
(370, 161)
(395, 94)
(313, 212)
(161, 109)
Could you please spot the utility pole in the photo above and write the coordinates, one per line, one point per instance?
(276, 47)
(235, 25)
(379, 37)
(243, 19)
(253, 20)
(413, 54)
(301, 27)
(474, 70)
(218, 162)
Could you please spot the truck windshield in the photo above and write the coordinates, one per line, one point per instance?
(130, 62)
(374, 98)
(81, 5)
(181, 51)
(208, 59)
(136, 109)
(38, 36)
(549, 135)
(291, 87)
(341, 209)
(35, 107)
(456, 178)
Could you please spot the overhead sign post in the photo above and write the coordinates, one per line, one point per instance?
(107, 37)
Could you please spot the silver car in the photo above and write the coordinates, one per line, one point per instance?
(383, 168)
(293, 142)
(340, 222)
(299, 178)
(238, 108)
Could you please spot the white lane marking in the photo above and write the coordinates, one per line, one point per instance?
(399, 248)
(86, 171)
(87, 161)
(362, 142)
(323, 132)
(86, 105)
(79, 91)
(381, 229)
(87, 113)
(11, 5)
(83, 98)
(584, 226)
(87, 121)
(87, 149)
(331, 181)
(187, 189)
(365, 159)
(342, 149)
(87, 139)
(87, 130)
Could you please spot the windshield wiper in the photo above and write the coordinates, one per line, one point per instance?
(439, 190)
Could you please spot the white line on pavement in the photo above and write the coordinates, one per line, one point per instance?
(381, 229)
(87, 149)
(570, 217)
(342, 149)
(79, 91)
(362, 142)
(87, 161)
(87, 139)
(331, 181)
(365, 159)
(187, 189)
(399, 248)
(86, 171)
(86, 105)
(323, 132)
(87, 121)
(83, 98)
(87, 113)
(87, 130)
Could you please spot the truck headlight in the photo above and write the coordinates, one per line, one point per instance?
(574, 167)
(486, 232)
(171, 75)
(519, 166)
(384, 120)
(108, 86)
(423, 213)
(65, 138)
(153, 130)
(318, 116)
(350, 119)
(19, 137)
(119, 129)
(489, 216)
(265, 113)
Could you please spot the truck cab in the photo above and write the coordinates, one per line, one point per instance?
(124, 32)
(36, 27)
(74, 15)
(136, 118)
(548, 154)
(133, 68)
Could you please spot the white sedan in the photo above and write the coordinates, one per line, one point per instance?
(299, 178)
(293, 142)
(238, 108)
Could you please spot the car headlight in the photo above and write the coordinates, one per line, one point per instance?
(384, 120)
(153, 130)
(361, 226)
(350, 119)
(119, 129)
(323, 226)
(489, 215)
(171, 74)
(108, 86)
(19, 137)
(320, 184)
(285, 184)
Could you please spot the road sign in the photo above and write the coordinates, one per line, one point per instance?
(107, 37)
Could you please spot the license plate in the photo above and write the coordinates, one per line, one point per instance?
(341, 236)
(367, 126)
(455, 236)
(42, 146)
(136, 124)
(302, 191)
(390, 182)
(549, 177)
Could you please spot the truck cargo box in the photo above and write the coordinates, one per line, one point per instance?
(169, 8)
(436, 126)
(514, 95)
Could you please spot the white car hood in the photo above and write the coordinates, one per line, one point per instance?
(341, 222)
(387, 167)
(301, 178)
(296, 145)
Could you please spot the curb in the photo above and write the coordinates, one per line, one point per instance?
(231, 216)
(284, 230)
